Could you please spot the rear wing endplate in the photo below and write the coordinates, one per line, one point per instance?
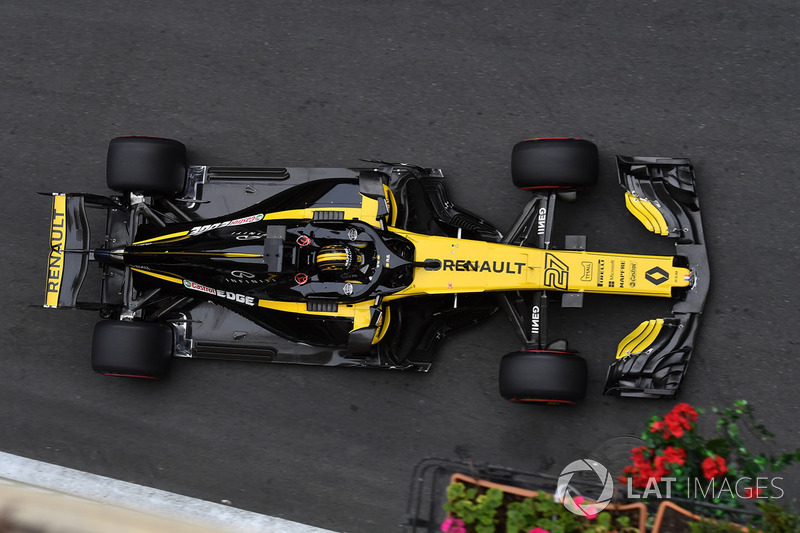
(68, 259)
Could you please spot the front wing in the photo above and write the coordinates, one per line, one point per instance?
(653, 359)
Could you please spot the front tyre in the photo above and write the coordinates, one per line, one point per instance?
(554, 164)
(543, 376)
(132, 349)
(149, 166)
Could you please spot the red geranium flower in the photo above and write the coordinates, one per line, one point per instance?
(714, 467)
(639, 476)
(674, 455)
(752, 493)
(685, 410)
(645, 467)
(657, 426)
(660, 470)
(676, 423)
(648, 464)
(637, 454)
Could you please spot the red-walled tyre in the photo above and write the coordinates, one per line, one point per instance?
(146, 165)
(542, 376)
(132, 349)
(554, 164)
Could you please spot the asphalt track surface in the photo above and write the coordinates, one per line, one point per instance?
(448, 84)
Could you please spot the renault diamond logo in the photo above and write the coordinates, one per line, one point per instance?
(656, 275)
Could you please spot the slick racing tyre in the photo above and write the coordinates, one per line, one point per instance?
(554, 164)
(132, 349)
(146, 165)
(542, 376)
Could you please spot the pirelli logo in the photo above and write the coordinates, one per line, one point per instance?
(58, 240)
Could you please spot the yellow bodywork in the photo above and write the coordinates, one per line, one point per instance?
(640, 338)
(368, 212)
(467, 266)
(58, 240)
(477, 266)
(359, 312)
(647, 214)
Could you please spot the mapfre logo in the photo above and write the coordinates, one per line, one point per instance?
(578, 507)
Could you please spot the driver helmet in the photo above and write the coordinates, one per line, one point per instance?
(338, 258)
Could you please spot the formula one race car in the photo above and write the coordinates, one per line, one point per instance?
(368, 267)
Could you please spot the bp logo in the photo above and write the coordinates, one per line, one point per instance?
(585, 509)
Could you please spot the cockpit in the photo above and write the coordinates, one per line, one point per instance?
(343, 260)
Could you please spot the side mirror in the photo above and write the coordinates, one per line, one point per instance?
(370, 183)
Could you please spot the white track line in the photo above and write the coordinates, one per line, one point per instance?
(153, 501)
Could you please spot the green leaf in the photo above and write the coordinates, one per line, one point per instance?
(719, 446)
(455, 491)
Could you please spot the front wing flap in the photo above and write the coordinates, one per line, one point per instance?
(661, 194)
(656, 368)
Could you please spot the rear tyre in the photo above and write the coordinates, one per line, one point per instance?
(146, 165)
(541, 376)
(554, 164)
(132, 349)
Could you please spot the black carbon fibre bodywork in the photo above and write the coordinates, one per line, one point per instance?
(216, 326)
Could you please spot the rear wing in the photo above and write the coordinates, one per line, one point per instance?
(68, 259)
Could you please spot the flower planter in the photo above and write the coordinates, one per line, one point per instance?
(637, 512)
(672, 518)
(426, 512)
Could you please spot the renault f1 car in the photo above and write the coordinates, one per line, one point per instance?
(368, 267)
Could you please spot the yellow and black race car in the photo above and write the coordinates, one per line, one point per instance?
(368, 267)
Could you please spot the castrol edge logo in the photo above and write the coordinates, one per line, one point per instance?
(238, 222)
(228, 295)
